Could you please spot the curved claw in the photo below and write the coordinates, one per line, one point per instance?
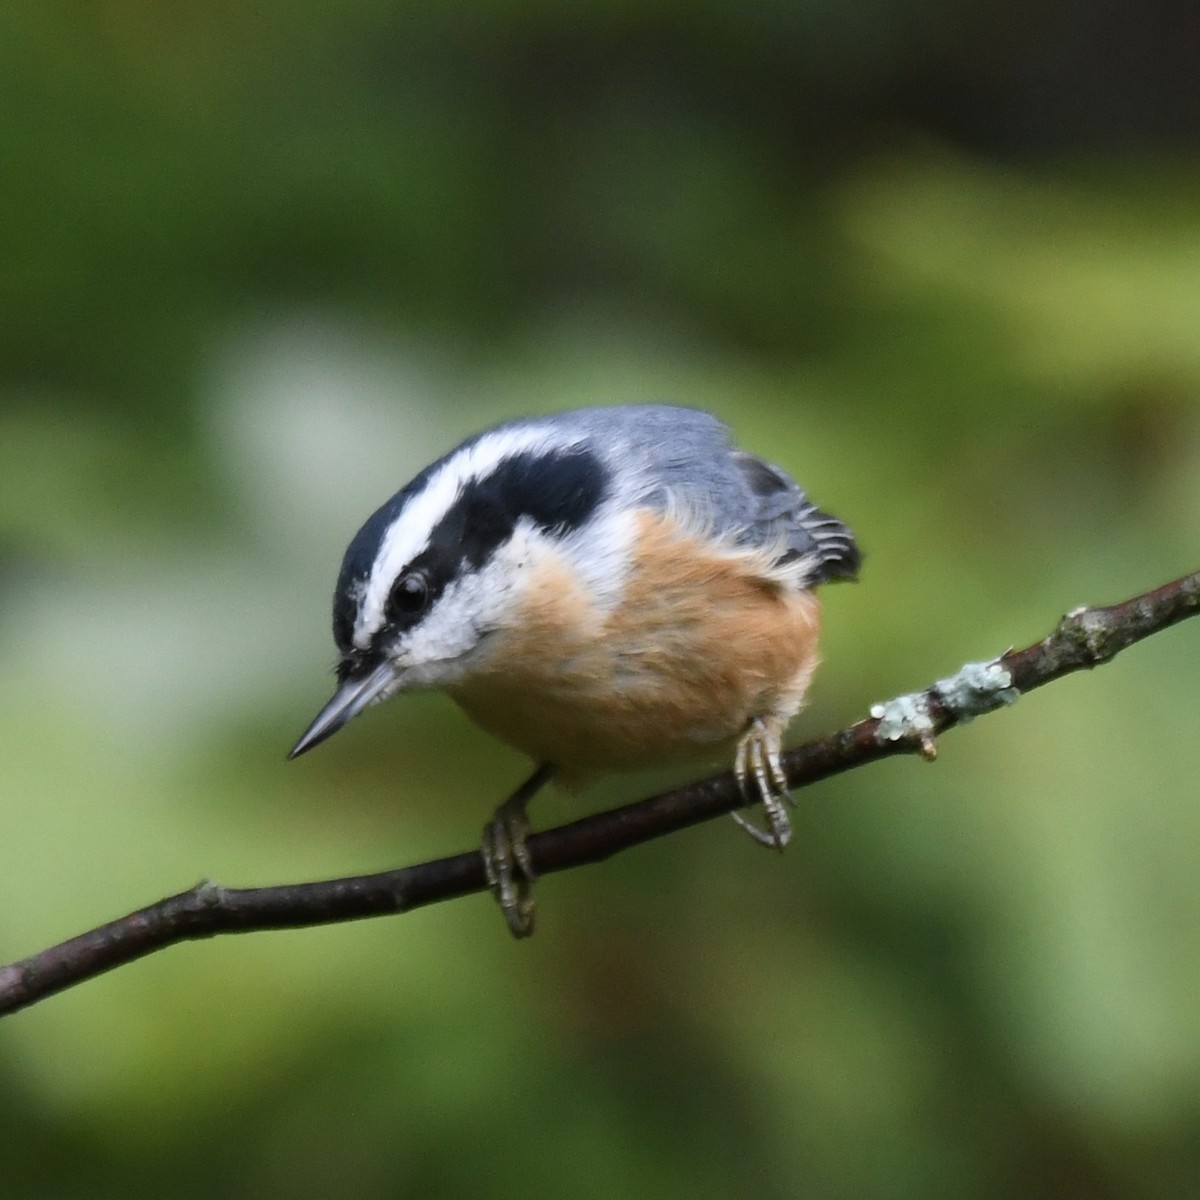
(509, 872)
(506, 859)
(761, 779)
(776, 837)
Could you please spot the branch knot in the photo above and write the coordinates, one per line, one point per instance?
(1083, 638)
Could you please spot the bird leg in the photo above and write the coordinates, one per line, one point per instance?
(506, 860)
(761, 779)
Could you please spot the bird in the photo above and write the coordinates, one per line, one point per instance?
(604, 589)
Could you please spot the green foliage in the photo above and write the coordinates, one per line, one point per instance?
(260, 264)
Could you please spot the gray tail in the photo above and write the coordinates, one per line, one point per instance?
(837, 553)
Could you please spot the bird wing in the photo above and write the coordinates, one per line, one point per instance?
(779, 512)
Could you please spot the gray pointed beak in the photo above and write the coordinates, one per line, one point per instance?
(355, 694)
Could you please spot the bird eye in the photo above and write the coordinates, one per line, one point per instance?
(410, 594)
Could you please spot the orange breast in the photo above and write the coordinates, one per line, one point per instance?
(699, 645)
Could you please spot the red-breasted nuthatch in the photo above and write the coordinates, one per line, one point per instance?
(604, 589)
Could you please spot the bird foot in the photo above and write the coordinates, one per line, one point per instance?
(506, 859)
(761, 780)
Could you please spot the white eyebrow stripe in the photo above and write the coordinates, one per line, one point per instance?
(412, 529)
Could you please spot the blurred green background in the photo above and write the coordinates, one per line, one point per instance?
(259, 263)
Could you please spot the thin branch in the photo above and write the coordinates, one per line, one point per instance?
(1086, 637)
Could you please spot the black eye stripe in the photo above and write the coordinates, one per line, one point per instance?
(360, 555)
(557, 489)
(558, 492)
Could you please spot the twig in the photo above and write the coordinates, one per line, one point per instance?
(1085, 637)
